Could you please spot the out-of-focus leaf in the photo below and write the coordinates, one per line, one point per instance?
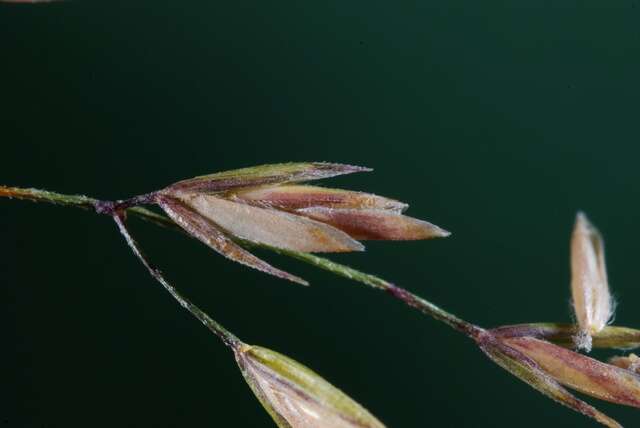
(297, 397)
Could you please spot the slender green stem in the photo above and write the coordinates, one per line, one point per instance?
(225, 335)
(81, 201)
(36, 195)
(373, 281)
(402, 294)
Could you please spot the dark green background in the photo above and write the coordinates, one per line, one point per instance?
(495, 120)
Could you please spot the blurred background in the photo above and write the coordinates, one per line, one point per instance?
(495, 121)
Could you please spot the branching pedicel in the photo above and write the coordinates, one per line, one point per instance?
(267, 207)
